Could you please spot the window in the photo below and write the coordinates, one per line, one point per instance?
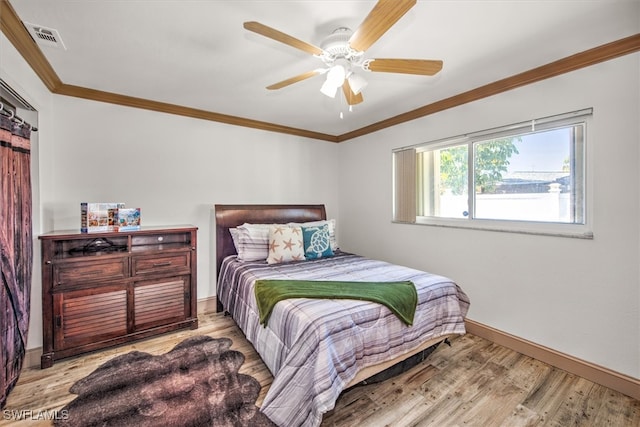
(511, 177)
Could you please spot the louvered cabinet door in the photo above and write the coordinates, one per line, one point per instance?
(89, 315)
(161, 301)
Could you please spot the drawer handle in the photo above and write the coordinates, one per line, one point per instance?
(162, 264)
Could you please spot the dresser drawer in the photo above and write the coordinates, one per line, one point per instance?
(77, 273)
(160, 239)
(177, 262)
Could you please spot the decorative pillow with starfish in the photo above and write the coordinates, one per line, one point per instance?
(285, 244)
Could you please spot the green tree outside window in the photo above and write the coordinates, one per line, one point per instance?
(491, 161)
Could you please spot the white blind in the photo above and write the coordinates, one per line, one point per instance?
(404, 187)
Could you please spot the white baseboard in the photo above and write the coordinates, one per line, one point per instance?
(592, 372)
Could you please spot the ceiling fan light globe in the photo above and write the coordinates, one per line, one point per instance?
(357, 83)
(336, 75)
(329, 89)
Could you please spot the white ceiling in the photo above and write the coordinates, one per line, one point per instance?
(196, 53)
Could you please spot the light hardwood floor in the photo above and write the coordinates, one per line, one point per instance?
(471, 383)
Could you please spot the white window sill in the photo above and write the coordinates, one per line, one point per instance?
(576, 231)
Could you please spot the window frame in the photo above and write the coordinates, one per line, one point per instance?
(564, 229)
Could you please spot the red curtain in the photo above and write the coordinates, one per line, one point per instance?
(16, 251)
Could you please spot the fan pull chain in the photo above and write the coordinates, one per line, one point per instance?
(350, 110)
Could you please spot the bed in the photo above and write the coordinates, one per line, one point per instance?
(316, 348)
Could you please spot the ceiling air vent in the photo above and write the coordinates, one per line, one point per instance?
(45, 36)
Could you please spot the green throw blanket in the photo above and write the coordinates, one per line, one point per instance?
(400, 297)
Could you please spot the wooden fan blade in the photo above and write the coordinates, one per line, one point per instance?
(352, 98)
(382, 17)
(295, 79)
(425, 67)
(276, 35)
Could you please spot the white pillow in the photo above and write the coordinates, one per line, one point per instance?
(332, 229)
(235, 236)
(254, 242)
(285, 244)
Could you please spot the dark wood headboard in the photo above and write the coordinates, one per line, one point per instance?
(229, 216)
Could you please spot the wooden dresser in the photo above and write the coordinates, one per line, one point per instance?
(104, 289)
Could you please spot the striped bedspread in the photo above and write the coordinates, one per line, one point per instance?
(314, 348)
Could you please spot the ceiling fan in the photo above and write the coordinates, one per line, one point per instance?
(343, 51)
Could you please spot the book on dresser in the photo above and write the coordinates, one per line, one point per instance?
(108, 288)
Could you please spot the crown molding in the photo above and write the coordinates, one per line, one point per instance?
(163, 107)
(14, 30)
(571, 63)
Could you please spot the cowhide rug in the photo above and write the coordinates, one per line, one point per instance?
(195, 384)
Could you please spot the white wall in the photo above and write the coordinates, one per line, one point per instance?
(584, 303)
(173, 168)
(585, 299)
